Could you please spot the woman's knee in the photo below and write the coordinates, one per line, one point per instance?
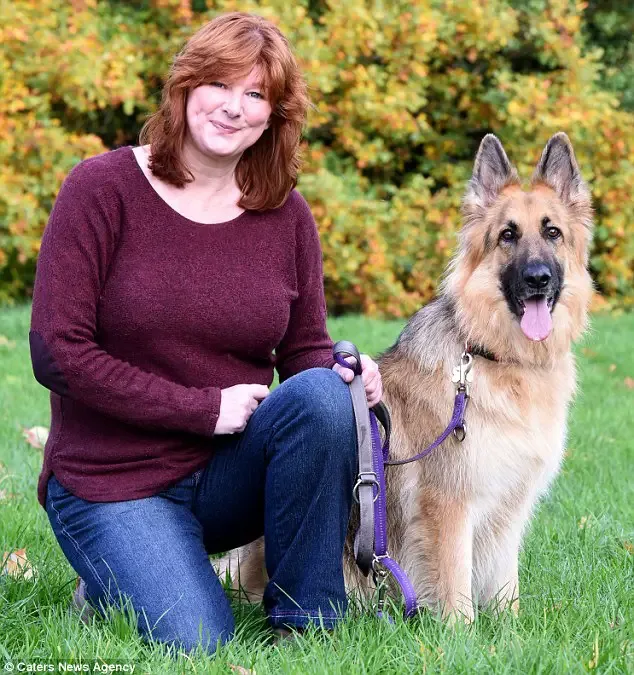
(180, 620)
(148, 556)
(320, 402)
(191, 632)
(323, 394)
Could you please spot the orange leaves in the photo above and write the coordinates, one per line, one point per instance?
(401, 91)
(15, 564)
(180, 10)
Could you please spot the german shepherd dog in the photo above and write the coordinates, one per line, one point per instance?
(517, 293)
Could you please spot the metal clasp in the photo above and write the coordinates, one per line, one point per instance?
(462, 376)
(460, 432)
(366, 478)
(379, 576)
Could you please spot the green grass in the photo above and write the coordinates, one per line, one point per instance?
(576, 569)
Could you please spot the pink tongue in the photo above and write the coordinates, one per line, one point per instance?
(536, 323)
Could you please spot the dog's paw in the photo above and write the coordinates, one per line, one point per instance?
(461, 613)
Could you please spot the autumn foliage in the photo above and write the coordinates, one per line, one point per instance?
(403, 93)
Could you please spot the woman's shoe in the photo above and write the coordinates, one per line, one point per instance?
(80, 602)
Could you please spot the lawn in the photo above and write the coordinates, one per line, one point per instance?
(576, 568)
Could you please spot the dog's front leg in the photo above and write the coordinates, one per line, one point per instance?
(448, 554)
(496, 568)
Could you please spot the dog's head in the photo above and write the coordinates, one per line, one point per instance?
(519, 279)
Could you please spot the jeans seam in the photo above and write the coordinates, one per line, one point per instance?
(271, 437)
(79, 549)
(304, 614)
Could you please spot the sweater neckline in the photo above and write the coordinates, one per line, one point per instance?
(165, 206)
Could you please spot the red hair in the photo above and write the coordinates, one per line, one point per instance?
(228, 48)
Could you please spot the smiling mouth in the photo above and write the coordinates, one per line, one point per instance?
(225, 127)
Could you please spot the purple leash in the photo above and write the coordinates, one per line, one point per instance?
(381, 556)
(381, 562)
(457, 423)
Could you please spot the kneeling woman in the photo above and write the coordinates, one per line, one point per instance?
(168, 275)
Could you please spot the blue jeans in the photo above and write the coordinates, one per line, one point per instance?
(288, 475)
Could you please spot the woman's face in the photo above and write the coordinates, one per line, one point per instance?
(225, 118)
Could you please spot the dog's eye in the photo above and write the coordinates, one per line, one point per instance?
(553, 232)
(507, 235)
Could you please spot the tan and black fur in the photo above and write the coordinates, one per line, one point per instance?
(457, 517)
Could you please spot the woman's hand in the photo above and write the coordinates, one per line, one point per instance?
(370, 376)
(237, 404)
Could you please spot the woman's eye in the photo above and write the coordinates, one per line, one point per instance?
(553, 232)
(218, 84)
(255, 94)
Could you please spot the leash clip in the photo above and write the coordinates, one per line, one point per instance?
(462, 376)
(379, 576)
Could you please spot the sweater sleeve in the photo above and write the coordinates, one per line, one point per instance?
(77, 247)
(306, 343)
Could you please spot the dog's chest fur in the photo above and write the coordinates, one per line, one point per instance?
(516, 434)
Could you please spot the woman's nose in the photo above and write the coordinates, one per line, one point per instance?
(233, 103)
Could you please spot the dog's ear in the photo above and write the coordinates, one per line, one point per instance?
(492, 171)
(558, 169)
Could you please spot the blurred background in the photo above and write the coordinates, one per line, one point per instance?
(403, 93)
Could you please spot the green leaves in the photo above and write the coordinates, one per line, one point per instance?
(403, 92)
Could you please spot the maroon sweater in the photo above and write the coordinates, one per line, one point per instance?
(141, 316)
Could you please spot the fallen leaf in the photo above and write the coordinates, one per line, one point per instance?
(586, 351)
(5, 342)
(629, 382)
(241, 670)
(36, 436)
(6, 496)
(584, 522)
(612, 367)
(629, 547)
(15, 564)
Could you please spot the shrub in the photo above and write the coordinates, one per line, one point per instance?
(403, 93)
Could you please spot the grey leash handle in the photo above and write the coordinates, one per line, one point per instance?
(366, 488)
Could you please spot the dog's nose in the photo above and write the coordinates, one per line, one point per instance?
(537, 275)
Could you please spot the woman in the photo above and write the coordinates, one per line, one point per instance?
(168, 275)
